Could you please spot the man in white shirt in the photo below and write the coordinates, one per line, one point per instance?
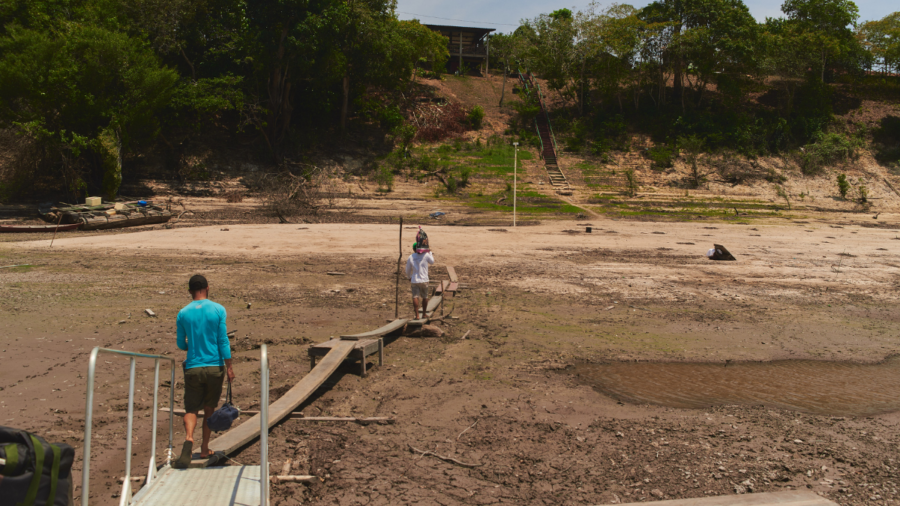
(417, 272)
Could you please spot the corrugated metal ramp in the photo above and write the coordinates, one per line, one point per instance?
(215, 486)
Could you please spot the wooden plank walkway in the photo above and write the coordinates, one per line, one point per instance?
(362, 348)
(433, 303)
(446, 286)
(382, 331)
(787, 498)
(249, 430)
(451, 271)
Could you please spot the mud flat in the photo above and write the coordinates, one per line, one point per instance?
(537, 302)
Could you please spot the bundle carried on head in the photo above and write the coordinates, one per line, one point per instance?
(422, 242)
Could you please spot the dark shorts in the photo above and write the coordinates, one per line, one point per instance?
(202, 387)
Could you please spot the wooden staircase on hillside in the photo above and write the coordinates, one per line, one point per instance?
(545, 132)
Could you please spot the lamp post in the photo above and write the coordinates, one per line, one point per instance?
(515, 178)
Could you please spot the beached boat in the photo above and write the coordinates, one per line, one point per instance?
(12, 229)
(109, 215)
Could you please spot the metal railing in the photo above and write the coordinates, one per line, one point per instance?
(264, 426)
(547, 115)
(537, 128)
(540, 97)
(89, 416)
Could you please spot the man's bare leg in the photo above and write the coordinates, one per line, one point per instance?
(415, 308)
(190, 423)
(207, 432)
(424, 307)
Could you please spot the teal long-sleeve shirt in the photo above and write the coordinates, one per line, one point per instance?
(202, 331)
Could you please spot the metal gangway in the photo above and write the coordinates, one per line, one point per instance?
(165, 485)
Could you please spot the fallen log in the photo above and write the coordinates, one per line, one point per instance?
(296, 479)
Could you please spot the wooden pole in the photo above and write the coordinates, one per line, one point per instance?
(515, 178)
(487, 60)
(460, 53)
(399, 258)
(56, 229)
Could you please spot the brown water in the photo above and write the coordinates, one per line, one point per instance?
(825, 388)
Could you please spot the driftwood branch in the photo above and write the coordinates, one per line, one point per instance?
(296, 479)
(445, 459)
(467, 428)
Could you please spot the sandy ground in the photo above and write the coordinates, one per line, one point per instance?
(536, 300)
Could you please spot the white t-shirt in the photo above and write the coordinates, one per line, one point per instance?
(417, 267)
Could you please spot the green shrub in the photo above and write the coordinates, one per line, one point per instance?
(691, 146)
(452, 185)
(384, 176)
(405, 133)
(390, 117)
(828, 149)
(843, 185)
(781, 192)
(476, 117)
(862, 192)
(631, 184)
(663, 157)
(464, 174)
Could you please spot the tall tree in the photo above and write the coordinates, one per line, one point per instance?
(882, 39)
(823, 27)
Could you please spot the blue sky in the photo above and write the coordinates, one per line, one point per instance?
(504, 15)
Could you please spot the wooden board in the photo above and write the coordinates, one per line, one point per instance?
(387, 329)
(787, 498)
(249, 430)
(433, 303)
(452, 273)
(362, 348)
(446, 286)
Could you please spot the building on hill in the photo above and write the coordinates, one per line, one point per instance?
(469, 47)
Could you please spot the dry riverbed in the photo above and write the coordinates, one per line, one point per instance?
(506, 402)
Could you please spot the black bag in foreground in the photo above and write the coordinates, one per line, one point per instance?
(35, 473)
(221, 419)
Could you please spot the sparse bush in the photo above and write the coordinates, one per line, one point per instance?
(781, 192)
(736, 170)
(441, 122)
(827, 149)
(452, 185)
(295, 191)
(384, 176)
(405, 135)
(663, 157)
(862, 193)
(843, 185)
(476, 117)
(234, 197)
(691, 147)
(631, 183)
(464, 174)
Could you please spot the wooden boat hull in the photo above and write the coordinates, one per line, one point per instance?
(118, 221)
(19, 229)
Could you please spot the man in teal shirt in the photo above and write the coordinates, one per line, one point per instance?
(203, 333)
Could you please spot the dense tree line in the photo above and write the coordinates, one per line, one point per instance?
(679, 68)
(84, 83)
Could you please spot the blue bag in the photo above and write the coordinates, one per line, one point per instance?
(223, 417)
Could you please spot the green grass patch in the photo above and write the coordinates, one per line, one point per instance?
(20, 268)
